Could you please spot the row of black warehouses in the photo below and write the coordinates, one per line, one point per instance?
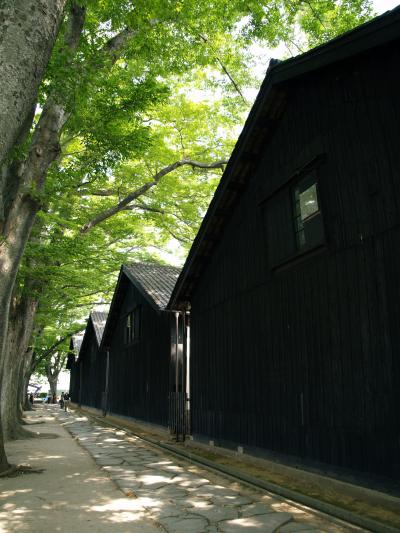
(292, 283)
(124, 358)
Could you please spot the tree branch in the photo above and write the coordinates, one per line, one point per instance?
(101, 291)
(101, 192)
(237, 88)
(45, 147)
(46, 141)
(182, 240)
(91, 304)
(50, 350)
(114, 45)
(293, 42)
(121, 206)
(132, 207)
(315, 14)
(53, 368)
(232, 80)
(76, 22)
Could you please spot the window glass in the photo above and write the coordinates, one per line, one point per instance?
(129, 327)
(292, 220)
(308, 202)
(307, 215)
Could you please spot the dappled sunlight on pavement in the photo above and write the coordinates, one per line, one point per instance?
(181, 497)
(71, 494)
(103, 479)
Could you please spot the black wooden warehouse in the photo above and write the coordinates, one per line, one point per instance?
(88, 378)
(137, 339)
(293, 279)
(73, 366)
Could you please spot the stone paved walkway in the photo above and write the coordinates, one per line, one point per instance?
(70, 494)
(180, 497)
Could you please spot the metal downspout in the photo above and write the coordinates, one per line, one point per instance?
(80, 384)
(177, 375)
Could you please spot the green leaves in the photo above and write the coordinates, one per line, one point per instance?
(322, 21)
(152, 82)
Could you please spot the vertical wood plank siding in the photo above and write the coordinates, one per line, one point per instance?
(93, 363)
(139, 372)
(74, 382)
(304, 359)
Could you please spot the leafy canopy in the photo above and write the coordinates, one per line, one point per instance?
(173, 90)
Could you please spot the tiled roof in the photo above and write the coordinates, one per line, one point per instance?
(157, 281)
(77, 342)
(99, 321)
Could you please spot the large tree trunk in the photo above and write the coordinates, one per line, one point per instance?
(30, 176)
(23, 311)
(18, 393)
(26, 373)
(20, 217)
(16, 220)
(53, 382)
(4, 464)
(13, 239)
(53, 369)
(28, 32)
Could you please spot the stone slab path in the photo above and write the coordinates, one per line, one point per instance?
(182, 498)
(71, 495)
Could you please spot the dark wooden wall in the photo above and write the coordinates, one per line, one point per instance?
(304, 359)
(74, 381)
(139, 372)
(93, 371)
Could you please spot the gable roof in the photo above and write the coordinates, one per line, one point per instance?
(155, 283)
(99, 320)
(260, 125)
(96, 322)
(76, 343)
(74, 349)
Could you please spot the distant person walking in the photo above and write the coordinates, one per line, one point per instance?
(66, 401)
(31, 398)
(62, 401)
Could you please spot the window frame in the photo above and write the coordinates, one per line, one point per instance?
(132, 332)
(128, 323)
(303, 184)
(270, 214)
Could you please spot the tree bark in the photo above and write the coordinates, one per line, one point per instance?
(28, 31)
(27, 372)
(53, 369)
(16, 230)
(22, 314)
(17, 222)
(4, 464)
(18, 392)
(31, 174)
(10, 256)
(53, 382)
